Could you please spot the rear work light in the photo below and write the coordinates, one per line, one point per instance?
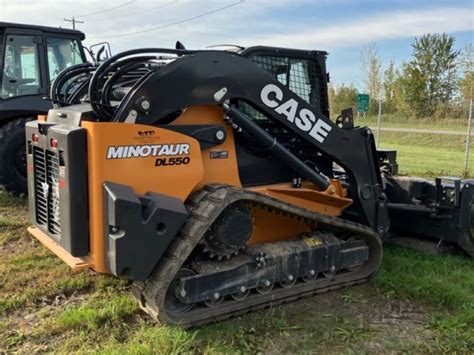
(53, 142)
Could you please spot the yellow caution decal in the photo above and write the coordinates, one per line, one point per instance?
(313, 241)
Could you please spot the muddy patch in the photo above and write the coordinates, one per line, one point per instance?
(358, 318)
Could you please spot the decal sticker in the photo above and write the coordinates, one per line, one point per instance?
(304, 119)
(313, 241)
(219, 154)
(172, 161)
(146, 133)
(147, 150)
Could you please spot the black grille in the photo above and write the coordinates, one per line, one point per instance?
(46, 179)
(41, 199)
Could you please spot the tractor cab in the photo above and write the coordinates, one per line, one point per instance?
(31, 57)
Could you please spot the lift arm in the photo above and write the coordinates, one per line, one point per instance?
(213, 77)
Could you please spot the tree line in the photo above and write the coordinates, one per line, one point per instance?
(436, 81)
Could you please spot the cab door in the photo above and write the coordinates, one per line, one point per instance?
(62, 52)
(23, 71)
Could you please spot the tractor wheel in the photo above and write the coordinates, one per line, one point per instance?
(13, 156)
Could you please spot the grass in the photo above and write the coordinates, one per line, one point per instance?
(7, 200)
(458, 123)
(430, 155)
(96, 312)
(425, 154)
(149, 340)
(420, 161)
(447, 281)
(11, 223)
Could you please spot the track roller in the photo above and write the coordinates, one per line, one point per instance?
(215, 300)
(290, 281)
(311, 276)
(241, 295)
(265, 287)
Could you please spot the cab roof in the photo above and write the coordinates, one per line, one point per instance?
(77, 33)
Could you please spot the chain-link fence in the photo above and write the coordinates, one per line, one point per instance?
(429, 142)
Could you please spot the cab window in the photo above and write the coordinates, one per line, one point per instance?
(62, 53)
(300, 75)
(300, 81)
(21, 72)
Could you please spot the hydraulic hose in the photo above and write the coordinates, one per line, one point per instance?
(99, 76)
(64, 76)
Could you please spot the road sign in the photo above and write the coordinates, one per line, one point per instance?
(362, 103)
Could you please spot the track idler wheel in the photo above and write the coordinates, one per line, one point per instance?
(172, 304)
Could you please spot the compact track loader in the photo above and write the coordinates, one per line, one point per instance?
(217, 183)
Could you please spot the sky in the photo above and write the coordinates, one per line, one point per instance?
(340, 27)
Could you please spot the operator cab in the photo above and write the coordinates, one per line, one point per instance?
(33, 56)
(304, 73)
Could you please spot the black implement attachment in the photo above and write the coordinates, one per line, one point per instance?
(442, 211)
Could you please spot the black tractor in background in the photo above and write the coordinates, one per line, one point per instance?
(31, 57)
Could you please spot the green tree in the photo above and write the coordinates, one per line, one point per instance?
(429, 79)
(341, 97)
(466, 83)
(390, 77)
(371, 74)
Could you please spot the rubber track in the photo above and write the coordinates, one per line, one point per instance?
(205, 206)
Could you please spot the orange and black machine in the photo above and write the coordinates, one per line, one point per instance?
(217, 183)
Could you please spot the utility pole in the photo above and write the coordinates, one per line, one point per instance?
(74, 21)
